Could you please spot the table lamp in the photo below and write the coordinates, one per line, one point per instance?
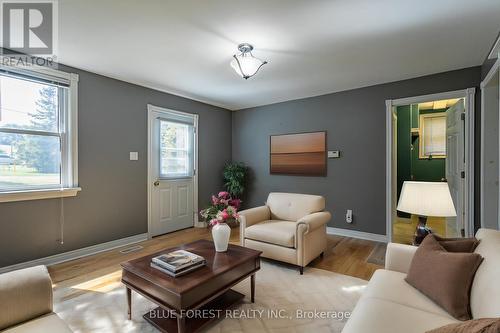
(426, 199)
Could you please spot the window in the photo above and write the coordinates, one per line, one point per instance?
(38, 150)
(176, 149)
(432, 140)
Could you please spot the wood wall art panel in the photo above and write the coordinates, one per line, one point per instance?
(298, 154)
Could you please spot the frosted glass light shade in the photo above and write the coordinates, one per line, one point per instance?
(426, 199)
(248, 65)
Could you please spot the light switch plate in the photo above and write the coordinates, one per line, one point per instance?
(134, 156)
(333, 154)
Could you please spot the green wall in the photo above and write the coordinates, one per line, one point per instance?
(431, 170)
(410, 167)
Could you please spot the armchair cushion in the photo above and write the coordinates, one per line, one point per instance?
(293, 206)
(274, 232)
(24, 294)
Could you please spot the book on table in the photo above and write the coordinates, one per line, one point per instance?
(178, 261)
(180, 272)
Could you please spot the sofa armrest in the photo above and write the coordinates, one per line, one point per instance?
(24, 294)
(252, 216)
(399, 256)
(314, 221)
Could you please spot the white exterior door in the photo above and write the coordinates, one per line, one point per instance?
(172, 161)
(455, 165)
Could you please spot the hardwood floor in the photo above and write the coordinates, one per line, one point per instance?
(403, 230)
(101, 271)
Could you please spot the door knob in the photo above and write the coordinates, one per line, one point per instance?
(156, 183)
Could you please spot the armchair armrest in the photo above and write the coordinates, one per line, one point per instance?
(399, 256)
(314, 221)
(252, 216)
(24, 294)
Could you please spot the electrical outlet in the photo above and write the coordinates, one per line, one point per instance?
(348, 216)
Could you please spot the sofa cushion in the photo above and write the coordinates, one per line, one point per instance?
(445, 277)
(485, 291)
(49, 323)
(391, 286)
(293, 206)
(273, 231)
(458, 244)
(483, 325)
(376, 315)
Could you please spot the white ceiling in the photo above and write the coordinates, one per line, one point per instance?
(313, 47)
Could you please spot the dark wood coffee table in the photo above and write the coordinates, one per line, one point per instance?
(181, 300)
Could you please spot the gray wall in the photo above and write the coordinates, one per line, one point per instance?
(355, 121)
(113, 200)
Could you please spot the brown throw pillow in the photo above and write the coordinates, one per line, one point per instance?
(483, 325)
(444, 277)
(458, 244)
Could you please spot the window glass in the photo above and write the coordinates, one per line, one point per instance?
(175, 149)
(28, 105)
(29, 161)
(31, 134)
(434, 136)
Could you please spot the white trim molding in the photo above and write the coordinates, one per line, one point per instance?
(356, 234)
(27, 195)
(469, 96)
(76, 254)
(495, 50)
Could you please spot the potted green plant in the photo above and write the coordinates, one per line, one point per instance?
(235, 177)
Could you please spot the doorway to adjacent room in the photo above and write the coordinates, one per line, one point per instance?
(430, 139)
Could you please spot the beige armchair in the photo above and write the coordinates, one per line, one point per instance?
(290, 228)
(26, 302)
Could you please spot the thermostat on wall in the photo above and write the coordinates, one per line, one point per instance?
(333, 154)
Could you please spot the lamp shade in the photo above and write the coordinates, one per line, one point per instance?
(426, 199)
(246, 65)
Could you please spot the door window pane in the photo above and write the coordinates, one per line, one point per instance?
(29, 161)
(175, 149)
(28, 105)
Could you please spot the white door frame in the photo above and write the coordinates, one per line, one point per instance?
(493, 71)
(469, 95)
(153, 112)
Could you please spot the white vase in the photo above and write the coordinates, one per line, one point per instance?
(220, 234)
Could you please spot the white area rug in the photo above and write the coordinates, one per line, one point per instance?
(90, 307)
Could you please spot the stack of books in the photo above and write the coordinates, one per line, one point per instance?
(177, 263)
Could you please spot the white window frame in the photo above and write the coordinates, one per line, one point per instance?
(69, 138)
(422, 136)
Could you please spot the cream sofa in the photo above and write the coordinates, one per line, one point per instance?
(290, 228)
(390, 305)
(26, 303)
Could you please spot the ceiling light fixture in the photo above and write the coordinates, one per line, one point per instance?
(245, 64)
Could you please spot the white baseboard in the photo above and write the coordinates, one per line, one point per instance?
(357, 234)
(75, 254)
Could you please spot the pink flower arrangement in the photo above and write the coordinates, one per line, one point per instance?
(223, 209)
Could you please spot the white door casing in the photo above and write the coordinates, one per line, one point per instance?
(455, 163)
(172, 191)
(490, 152)
(469, 98)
